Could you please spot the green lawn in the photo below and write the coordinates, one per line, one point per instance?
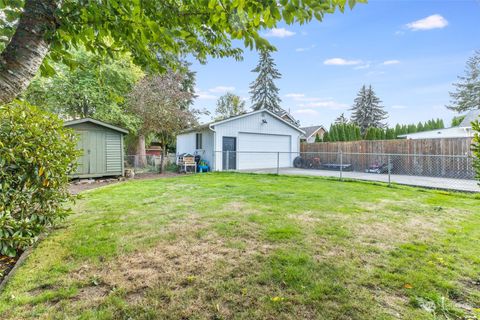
(223, 246)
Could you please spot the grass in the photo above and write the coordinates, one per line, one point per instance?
(223, 246)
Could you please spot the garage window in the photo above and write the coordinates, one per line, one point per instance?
(198, 138)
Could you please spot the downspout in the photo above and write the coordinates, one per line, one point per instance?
(214, 147)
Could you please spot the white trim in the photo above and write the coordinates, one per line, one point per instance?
(321, 127)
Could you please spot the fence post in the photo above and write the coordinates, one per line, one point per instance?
(341, 165)
(228, 160)
(389, 167)
(278, 163)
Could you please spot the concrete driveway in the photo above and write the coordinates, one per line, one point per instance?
(419, 181)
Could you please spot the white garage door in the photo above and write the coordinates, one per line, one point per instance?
(259, 151)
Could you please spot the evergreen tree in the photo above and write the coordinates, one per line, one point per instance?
(341, 132)
(358, 133)
(390, 134)
(326, 137)
(332, 133)
(367, 110)
(341, 119)
(467, 90)
(457, 120)
(420, 127)
(317, 138)
(264, 92)
(369, 134)
(398, 130)
(441, 124)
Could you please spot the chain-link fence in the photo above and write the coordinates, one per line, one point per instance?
(147, 163)
(454, 172)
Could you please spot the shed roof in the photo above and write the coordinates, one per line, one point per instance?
(97, 122)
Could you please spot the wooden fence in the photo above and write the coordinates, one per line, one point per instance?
(426, 157)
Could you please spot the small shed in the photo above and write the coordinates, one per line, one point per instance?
(102, 146)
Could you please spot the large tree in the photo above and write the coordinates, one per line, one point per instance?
(229, 105)
(467, 91)
(367, 111)
(159, 103)
(341, 119)
(264, 92)
(153, 31)
(97, 90)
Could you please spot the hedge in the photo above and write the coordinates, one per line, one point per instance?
(36, 156)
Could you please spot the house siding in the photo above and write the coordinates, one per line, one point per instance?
(253, 124)
(186, 143)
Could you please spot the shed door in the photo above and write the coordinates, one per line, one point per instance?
(260, 151)
(96, 151)
(83, 163)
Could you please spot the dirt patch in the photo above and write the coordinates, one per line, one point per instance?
(306, 216)
(6, 264)
(393, 303)
(77, 188)
(173, 268)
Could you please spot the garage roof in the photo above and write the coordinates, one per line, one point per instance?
(214, 123)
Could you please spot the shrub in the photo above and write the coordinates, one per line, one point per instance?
(36, 155)
(476, 147)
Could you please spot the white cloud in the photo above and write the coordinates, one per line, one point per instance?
(305, 48)
(341, 62)
(364, 66)
(390, 62)
(315, 102)
(374, 73)
(435, 21)
(295, 95)
(221, 89)
(308, 112)
(327, 104)
(279, 33)
(399, 107)
(204, 95)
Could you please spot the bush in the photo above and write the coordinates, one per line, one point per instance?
(476, 147)
(36, 155)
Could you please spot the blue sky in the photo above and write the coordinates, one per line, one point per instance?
(409, 51)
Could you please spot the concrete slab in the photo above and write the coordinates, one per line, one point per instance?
(419, 181)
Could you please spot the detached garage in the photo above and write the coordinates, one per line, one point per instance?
(254, 140)
(102, 148)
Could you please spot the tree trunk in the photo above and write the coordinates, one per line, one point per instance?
(162, 160)
(24, 54)
(141, 152)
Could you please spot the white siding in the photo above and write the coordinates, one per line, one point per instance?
(253, 124)
(186, 143)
